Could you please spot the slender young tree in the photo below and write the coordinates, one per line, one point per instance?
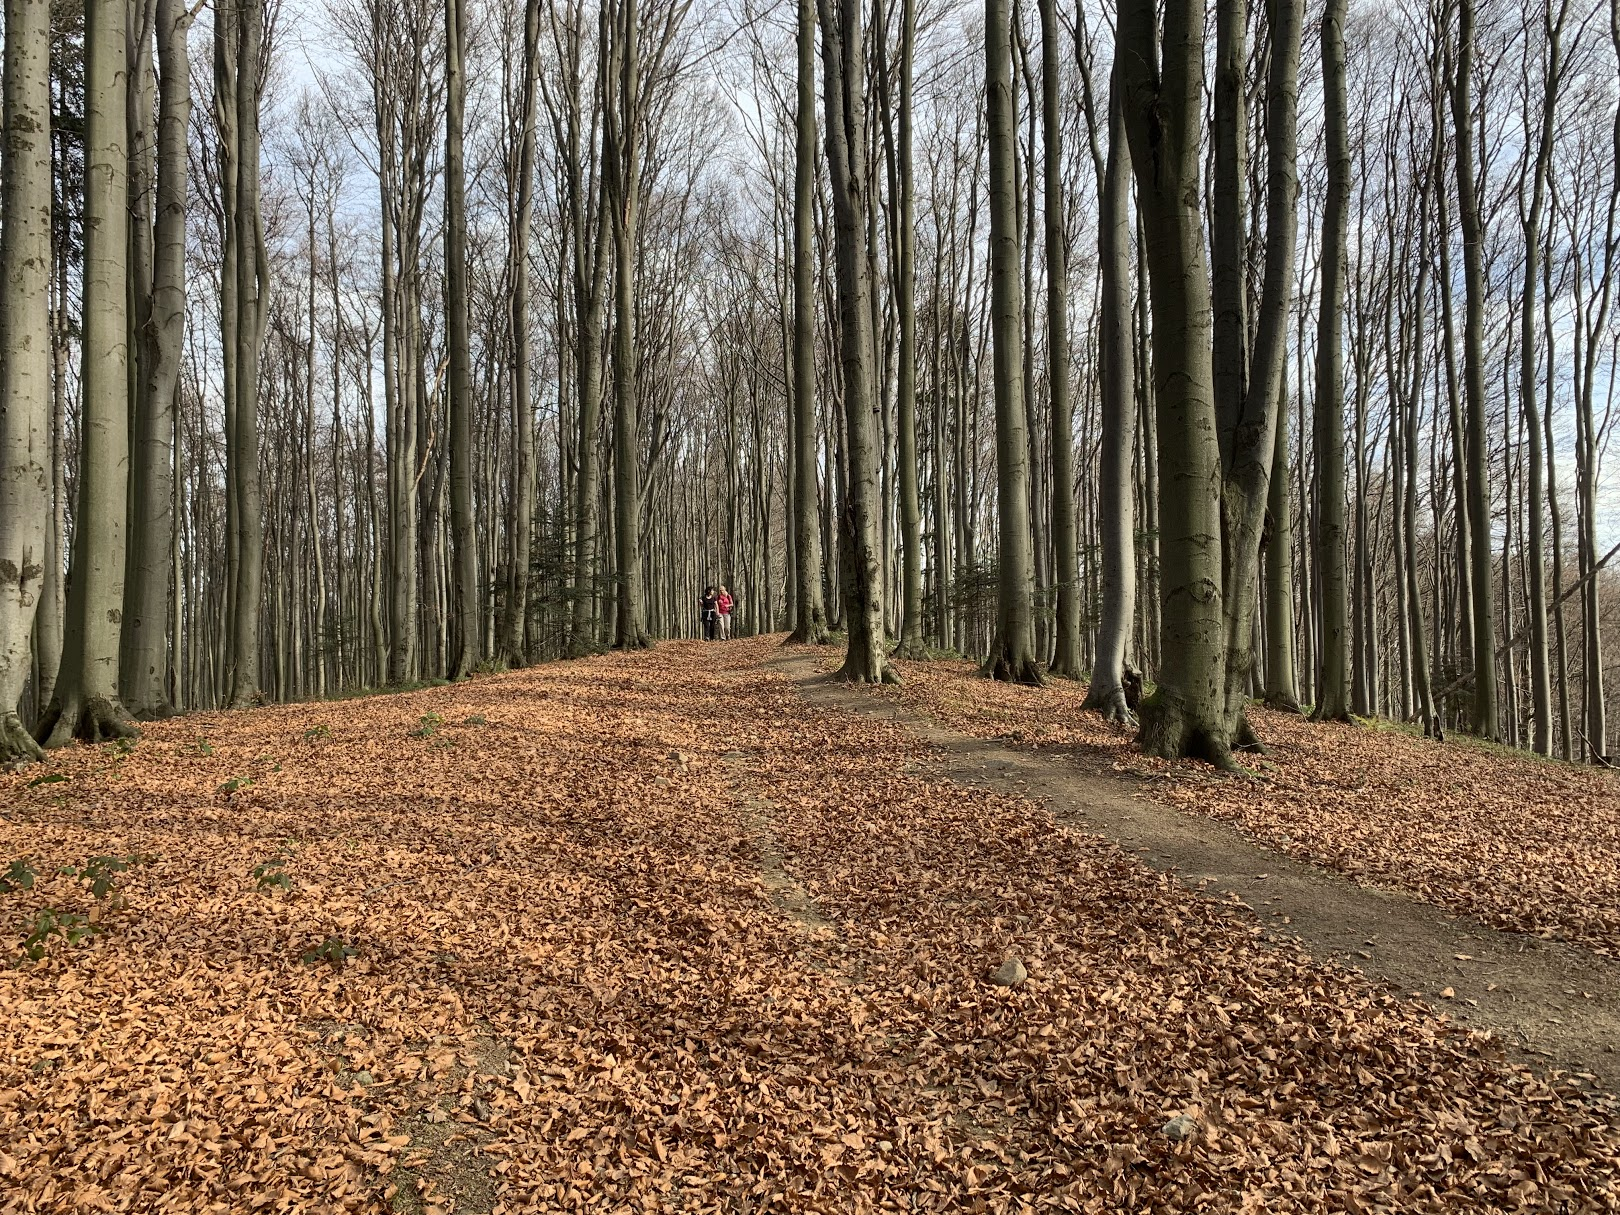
(1185, 715)
(1012, 652)
(86, 703)
(25, 354)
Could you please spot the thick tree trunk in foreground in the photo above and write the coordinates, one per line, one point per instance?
(810, 628)
(1012, 651)
(26, 455)
(1163, 112)
(844, 67)
(1333, 685)
(86, 703)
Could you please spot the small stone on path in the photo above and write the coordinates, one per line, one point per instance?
(1179, 1129)
(1011, 974)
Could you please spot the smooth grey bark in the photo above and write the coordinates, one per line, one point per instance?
(1249, 393)
(1012, 649)
(510, 646)
(843, 59)
(621, 157)
(26, 448)
(1482, 577)
(810, 627)
(905, 303)
(1117, 356)
(1535, 558)
(246, 336)
(1282, 672)
(1185, 715)
(1333, 682)
(1065, 540)
(144, 651)
(464, 536)
(86, 703)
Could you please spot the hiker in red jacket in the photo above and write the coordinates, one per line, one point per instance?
(724, 603)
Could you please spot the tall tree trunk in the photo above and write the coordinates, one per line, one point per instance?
(510, 647)
(905, 291)
(1333, 684)
(86, 703)
(1248, 397)
(252, 274)
(144, 660)
(1117, 355)
(844, 67)
(464, 532)
(622, 167)
(1065, 542)
(1481, 574)
(1185, 715)
(26, 449)
(1012, 651)
(1529, 402)
(811, 626)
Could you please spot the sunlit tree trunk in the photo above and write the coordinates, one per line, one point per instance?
(86, 703)
(811, 624)
(1012, 650)
(1185, 715)
(26, 449)
(844, 74)
(1333, 683)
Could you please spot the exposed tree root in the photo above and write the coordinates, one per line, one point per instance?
(870, 669)
(95, 719)
(912, 651)
(1168, 733)
(1109, 703)
(636, 641)
(17, 745)
(808, 632)
(1283, 702)
(1009, 669)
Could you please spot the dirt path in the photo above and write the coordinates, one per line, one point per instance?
(1553, 1005)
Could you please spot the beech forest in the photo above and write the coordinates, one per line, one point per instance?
(833, 605)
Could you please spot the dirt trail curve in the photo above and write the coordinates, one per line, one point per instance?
(1552, 1005)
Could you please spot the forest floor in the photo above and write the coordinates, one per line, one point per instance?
(679, 931)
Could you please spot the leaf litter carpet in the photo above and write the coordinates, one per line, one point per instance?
(649, 933)
(1521, 843)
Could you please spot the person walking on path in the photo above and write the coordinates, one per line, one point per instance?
(724, 603)
(709, 613)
